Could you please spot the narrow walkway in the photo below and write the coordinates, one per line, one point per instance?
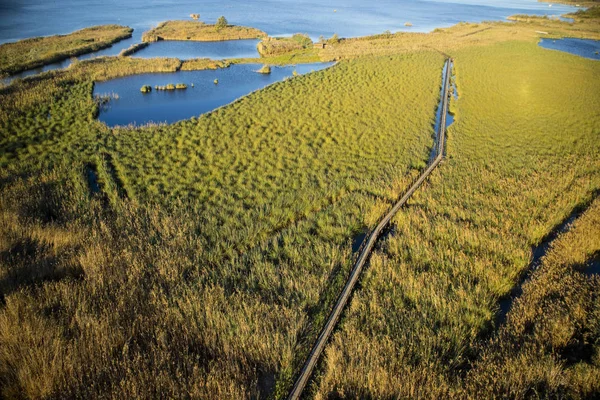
(334, 317)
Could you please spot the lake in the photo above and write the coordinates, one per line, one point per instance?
(21, 19)
(580, 47)
(135, 107)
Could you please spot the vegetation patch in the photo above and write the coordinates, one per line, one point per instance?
(134, 48)
(276, 46)
(265, 69)
(199, 31)
(306, 171)
(518, 161)
(36, 52)
(550, 343)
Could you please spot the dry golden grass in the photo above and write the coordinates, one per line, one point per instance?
(35, 52)
(550, 344)
(188, 289)
(460, 36)
(199, 31)
(522, 153)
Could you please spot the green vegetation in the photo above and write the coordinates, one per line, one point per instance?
(590, 13)
(335, 39)
(207, 262)
(551, 341)
(276, 46)
(518, 161)
(199, 31)
(146, 89)
(142, 280)
(36, 52)
(134, 48)
(304, 56)
(221, 23)
(171, 86)
(203, 63)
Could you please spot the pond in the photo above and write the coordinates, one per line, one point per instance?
(167, 106)
(580, 47)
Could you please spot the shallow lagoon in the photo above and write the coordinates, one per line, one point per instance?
(580, 47)
(135, 107)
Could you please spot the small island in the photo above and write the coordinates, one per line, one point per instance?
(199, 31)
(265, 70)
(276, 46)
(170, 86)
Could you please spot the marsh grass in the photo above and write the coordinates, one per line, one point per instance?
(36, 52)
(277, 46)
(549, 346)
(199, 31)
(518, 161)
(203, 281)
(211, 255)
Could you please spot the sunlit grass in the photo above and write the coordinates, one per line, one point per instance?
(550, 343)
(206, 265)
(522, 153)
(237, 235)
(35, 52)
(199, 31)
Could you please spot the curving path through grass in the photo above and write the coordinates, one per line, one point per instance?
(368, 246)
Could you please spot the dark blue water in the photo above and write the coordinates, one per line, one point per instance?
(184, 50)
(21, 19)
(580, 47)
(135, 107)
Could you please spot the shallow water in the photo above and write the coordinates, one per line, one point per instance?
(438, 113)
(20, 19)
(135, 107)
(185, 50)
(580, 47)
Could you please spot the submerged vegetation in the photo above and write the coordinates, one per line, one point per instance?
(36, 52)
(199, 31)
(200, 259)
